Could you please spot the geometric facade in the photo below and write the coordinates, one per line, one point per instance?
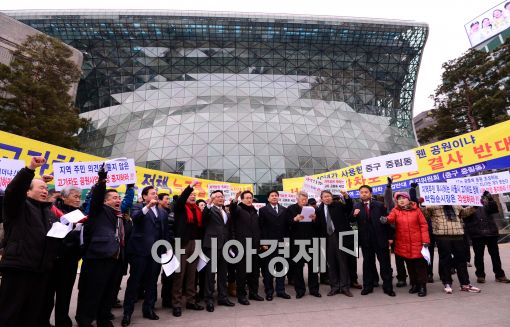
(247, 98)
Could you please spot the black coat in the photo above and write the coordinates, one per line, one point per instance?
(482, 224)
(215, 227)
(99, 233)
(26, 223)
(273, 226)
(147, 229)
(245, 223)
(340, 215)
(182, 229)
(370, 229)
(299, 230)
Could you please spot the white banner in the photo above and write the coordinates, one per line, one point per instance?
(8, 169)
(313, 187)
(258, 205)
(228, 193)
(287, 198)
(335, 185)
(445, 194)
(84, 174)
(394, 163)
(497, 183)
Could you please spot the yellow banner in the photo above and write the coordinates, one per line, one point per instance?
(458, 156)
(17, 147)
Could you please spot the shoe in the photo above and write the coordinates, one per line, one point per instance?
(469, 264)
(256, 297)
(470, 288)
(401, 283)
(366, 291)
(390, 293)
(226, 303)
(283, 296)
(347, 293)
(269, 297)
(356, 285)
(152, 315)
(422, 290)
(333, 292)
(316, 294)
(209, 307)
(194, 306)
(430, 279)
(243, 301)
(480, 280)
(503, 279)
(299, 295)
(448, 289)
(117, 304)
(414, 289)
(232, 291)
(177, 312)
(126, 321)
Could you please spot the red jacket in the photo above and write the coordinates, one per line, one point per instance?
(411, 231)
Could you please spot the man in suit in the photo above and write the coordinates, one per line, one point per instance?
(245, 220)
(332, 218)
(374, 238)
(103, 242)
(273, 226)
(150, 224)
(217, 225)
(302, 231)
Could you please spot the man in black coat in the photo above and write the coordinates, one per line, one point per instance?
(217, 228)
(28, 254)
(246, 225)
(167, 281)
(333, 218)
(275, 227)
(150, 224)
(302, 231)
(374, 238)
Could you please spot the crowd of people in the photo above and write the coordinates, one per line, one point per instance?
(117, 237)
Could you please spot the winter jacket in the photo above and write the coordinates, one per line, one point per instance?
(411, 231)
(245, 223)
(482, 224)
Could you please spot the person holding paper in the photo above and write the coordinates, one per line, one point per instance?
(187, 228)
(217, 227)
(374, 238)
(273, 226)
(300, 230)
(167, 281)
(29, 254)
(411, 235)
(245, 225)
(103, 245)
(449, 234)
(150, 224)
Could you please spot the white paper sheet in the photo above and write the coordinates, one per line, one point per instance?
(307, 212)
(426, 254)
(73, 216)
(170, 266)
(59, 230)
(201, 263)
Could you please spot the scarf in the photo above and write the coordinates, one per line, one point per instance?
(449, 212)
(189, 213)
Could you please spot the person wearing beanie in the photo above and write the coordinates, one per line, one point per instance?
(411, 235)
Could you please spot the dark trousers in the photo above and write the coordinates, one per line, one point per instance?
(352, 262)
(269, 287)
(222, 270)
(121, 271)
(299, 280)
(60, 290)
(369, 269)
(432, 248)
(185, 279)
(22, 297)
(166, 288)
(231, 276)
(337, 265)
(417, 269)
(244, 278)
(479, 244)
(448, 246)
(96, 291)
(467, 243)
(400, 264)
(143, 271)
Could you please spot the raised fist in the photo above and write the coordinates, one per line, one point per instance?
(36, 162)
(356, 212)
(194, 183)
(47, 178)
(102, 173)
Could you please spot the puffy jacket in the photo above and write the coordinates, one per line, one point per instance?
(411, 231)
(26, 223)
(245, 222)
(481, 223)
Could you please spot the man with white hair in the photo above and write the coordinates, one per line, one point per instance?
(29, 254)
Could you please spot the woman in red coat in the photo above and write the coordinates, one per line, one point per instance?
(411, 235)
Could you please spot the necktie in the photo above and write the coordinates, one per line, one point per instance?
(367, 210)
(276, 209)
(329, 223)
